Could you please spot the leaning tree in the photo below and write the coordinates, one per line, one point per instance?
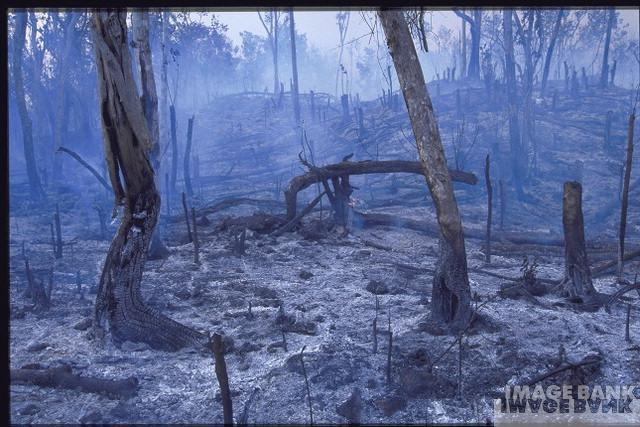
(119, 306)
(451, 293)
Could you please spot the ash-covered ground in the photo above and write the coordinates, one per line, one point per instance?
(327, 282)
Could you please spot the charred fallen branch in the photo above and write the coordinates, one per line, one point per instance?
(230, 203)
(62, 377)
(346, 168)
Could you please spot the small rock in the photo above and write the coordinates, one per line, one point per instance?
(377, 287)
(305, 275)
(37, 346)
(29, 409)
(84, 324)
(389, 405)
(352, 407)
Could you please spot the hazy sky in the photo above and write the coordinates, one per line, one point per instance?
(322, 31)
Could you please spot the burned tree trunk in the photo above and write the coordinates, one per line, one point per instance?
(174, 148)
(149, 100)
(577, 280)
(187, 157)
(487, 177)
(604, 74)
(61, 96)
(552, 44)
(119, 301)
(35, 186)
(294, 65)
(517, 155)
(625, 197)
(451, 293)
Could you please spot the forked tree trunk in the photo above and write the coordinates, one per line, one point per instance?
(119, 303)
(451, 293)
(35, 186)
(577, 281)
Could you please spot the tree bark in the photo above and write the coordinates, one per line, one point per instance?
(625, 196)
(577, 282)
(365, 167)
(552, 44)
(294, 65)
(35, 187)
(451, 292)
(119, 302)
(514, 127)
(604, 74)
(174, 148)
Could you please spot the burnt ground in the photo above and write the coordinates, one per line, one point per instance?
(326, 282)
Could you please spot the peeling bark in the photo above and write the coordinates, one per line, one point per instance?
(451, 293)
(119, 305)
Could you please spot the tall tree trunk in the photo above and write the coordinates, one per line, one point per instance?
(119, 301)
(512, 101)
(164, 106)
(276, 74)
(61, 97)
(149, 101)
(35, 187)
(187, 157)
(577, 283)
(294, 65)
(451, 292)
(476, 32)
(552, 44)
(604, 75)
(625, 196)
(463, 69)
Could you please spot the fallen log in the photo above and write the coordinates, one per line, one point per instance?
(86, 165)
(377, 219)
(345, 168)
(592, 359)
(229, 203)
(604, 267)
(62, 377)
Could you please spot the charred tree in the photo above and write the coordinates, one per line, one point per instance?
(577, 281)
(61, 97)
(552, 44)
(625, 196)
(294, 66)
(119, 302)
(487, 178)
(35, 187)
(451, 293)
(517, 155)
(604, 74)
(149, 101)
(187, 157)
(174, 148)
(271, 26)
(475, 26)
